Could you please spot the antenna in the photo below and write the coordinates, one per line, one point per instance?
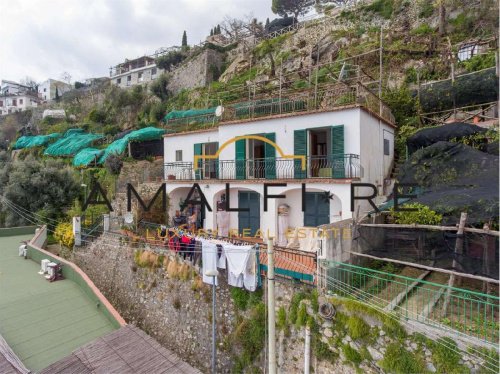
(219, 110)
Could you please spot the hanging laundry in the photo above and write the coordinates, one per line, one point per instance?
(237, 258)
(221, 257)
(222, 218)
(250, 274)
(209, 260)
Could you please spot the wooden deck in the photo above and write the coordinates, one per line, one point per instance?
(128, 350)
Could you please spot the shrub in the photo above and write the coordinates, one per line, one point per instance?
(479, 62)
(357, 327)
(446, 357)
(423, 29)
(294, 305)
(240, 297)
(251, 334)
(382, 7)
(301, 316)
(281, 323)
(422, 215)
(403, 133)
(97, 115)
(159, 87)
(113, 164)
(400, 361)
(64, 234)
(314, 300)
(351, 354)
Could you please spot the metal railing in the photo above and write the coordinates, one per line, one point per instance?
(320, 98)
(465, 311)
(328, 167)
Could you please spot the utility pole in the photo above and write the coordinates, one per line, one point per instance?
(270, 307)
(381, 71)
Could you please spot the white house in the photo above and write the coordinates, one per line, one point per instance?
(16, 97)
(132, 72)
(339, 147)
(47, 90)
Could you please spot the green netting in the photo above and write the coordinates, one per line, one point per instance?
(71, 144)
(175, 114)
(74, 131)
(35, 141)
(86, 156)
(119, 146)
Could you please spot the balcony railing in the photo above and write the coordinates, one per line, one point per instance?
(321, 167)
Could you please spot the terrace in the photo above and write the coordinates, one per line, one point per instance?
(43, 322)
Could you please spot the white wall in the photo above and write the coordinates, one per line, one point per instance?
(185, 143)
(285, 127)
(268, 220)
(376, 166)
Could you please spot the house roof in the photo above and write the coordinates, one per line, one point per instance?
(127, 350)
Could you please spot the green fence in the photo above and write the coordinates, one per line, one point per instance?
(429, 301)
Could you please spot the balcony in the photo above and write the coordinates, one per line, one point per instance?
(317, 167)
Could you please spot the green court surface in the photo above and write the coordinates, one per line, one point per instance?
(41, 321)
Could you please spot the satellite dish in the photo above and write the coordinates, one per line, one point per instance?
(219, 110)
(129, 217)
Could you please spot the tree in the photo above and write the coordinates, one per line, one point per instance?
(184, 39)
(159, 87)
(267, 23)
(211, 32)
(45, 188)
(57, 97)
(291, 7)
(170, 59)
(217, 29)
(442, 17)
(30, 83)
(66, 77)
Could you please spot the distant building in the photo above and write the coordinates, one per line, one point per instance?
(16, 97)
(132, 72)
(47, 90)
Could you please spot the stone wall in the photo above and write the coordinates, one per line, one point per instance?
(171, 304)
(196, 72)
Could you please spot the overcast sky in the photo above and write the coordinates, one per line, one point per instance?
(43, 38)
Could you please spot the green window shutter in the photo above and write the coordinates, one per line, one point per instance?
(197, 152)
(270, 153)
(217, 163)
(240, 148)
(299, 149)
(338, 158)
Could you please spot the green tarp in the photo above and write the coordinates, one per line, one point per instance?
(87, 156)
(119, 146)
(71, 144)
(35, 141)
(175, 114)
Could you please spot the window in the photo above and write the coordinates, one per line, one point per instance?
(153, 72)
(118, 81)
(20, 101)
(387, 147)
(1, 103)
(14, 102)
(139, 76)
(178, 155)
(45, 90)
(129, 80)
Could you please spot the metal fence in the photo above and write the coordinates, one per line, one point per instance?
(469, 312)
(327, 167)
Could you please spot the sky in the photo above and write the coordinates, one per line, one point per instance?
(42, 39)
